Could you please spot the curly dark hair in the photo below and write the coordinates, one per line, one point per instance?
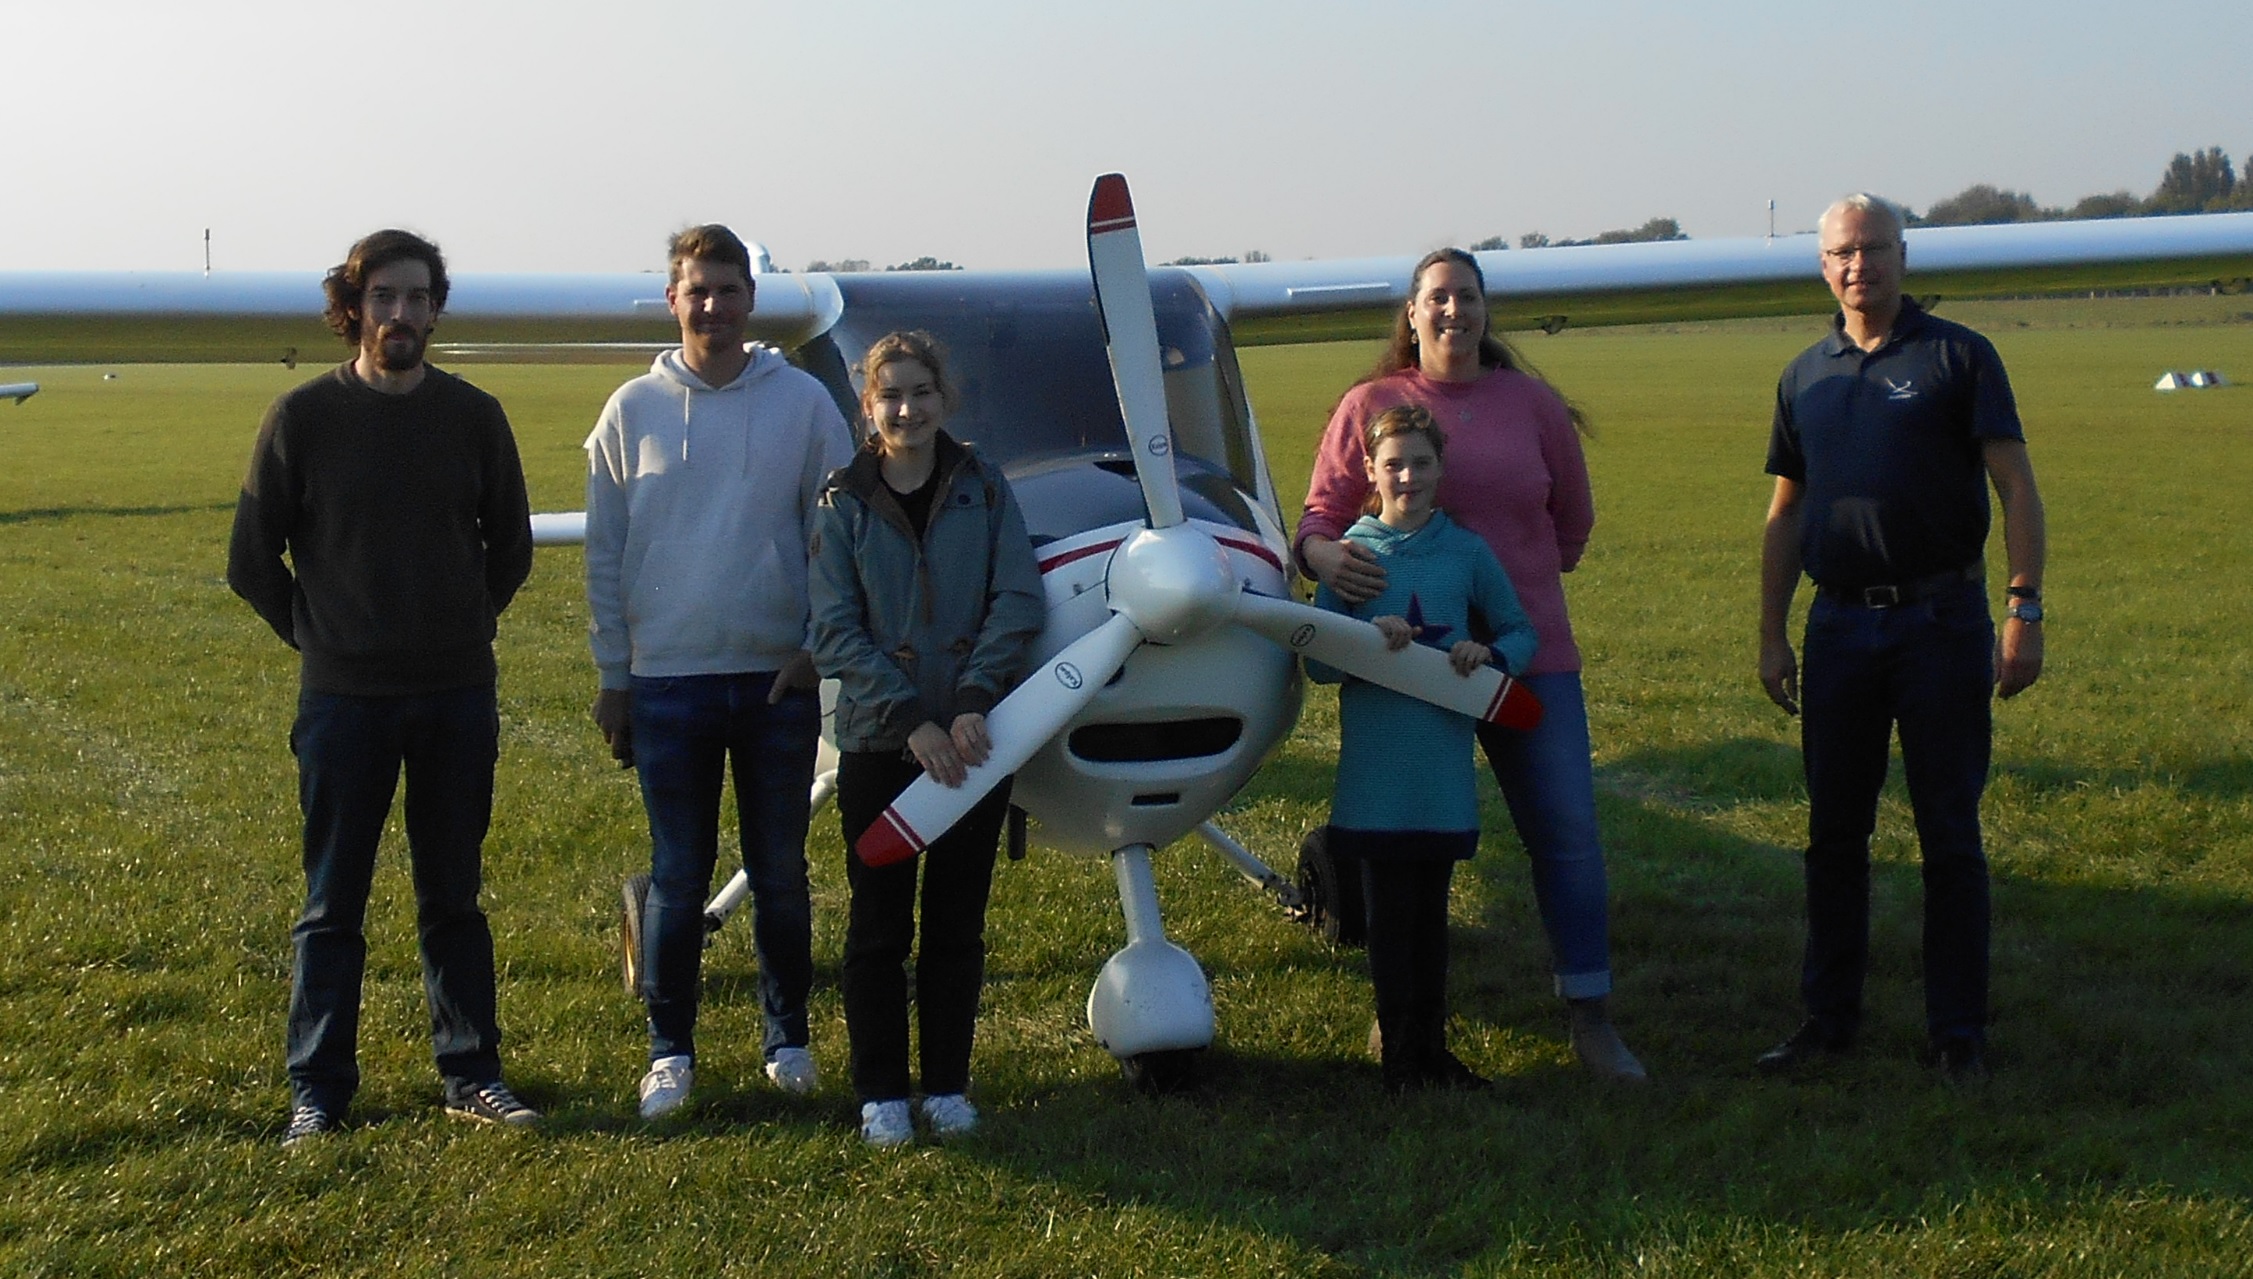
(347, 282)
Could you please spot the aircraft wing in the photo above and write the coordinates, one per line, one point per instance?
(1604, 284)
(71, 315)
(66, 316)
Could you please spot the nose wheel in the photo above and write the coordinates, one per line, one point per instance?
(1157, 1074)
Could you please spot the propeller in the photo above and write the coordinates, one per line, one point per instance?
(1020, 725)
(1130, 334)
(1358, 648)
(1167, 584)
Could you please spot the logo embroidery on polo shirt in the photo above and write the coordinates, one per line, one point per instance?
(1900, 390)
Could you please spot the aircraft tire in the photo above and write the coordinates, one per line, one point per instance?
(1330, 885)
(1159, 1074)
(635, 896)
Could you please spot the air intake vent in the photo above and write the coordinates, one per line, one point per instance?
(1164, 740)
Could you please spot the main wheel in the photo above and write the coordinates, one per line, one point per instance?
(1159, 1073)
(636, 896)
(1330, 885)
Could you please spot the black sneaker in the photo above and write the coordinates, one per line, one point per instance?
(1813, 1041)
(306, 1123)
(1961, 1060)
(1446, 1070)
(491, 1103)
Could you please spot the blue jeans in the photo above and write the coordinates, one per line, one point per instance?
(1928, 667)
(350, 751)
(1550, 783)
(688, 730)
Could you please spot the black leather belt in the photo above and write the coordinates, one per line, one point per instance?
(1894, 594)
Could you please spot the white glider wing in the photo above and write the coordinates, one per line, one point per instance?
(158, 315)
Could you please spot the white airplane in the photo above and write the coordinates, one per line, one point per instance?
(1168, 667)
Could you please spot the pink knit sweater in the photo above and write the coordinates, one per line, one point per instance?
(1513, 474)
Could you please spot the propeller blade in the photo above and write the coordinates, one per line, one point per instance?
(1130, 336)
(1357, 648)
(1019, 726)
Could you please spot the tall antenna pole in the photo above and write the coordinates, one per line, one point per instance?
(207, 253)
(1771, 219)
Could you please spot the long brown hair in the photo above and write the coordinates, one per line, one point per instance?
(1494, 353)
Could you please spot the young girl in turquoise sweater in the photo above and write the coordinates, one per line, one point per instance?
(1407, 800)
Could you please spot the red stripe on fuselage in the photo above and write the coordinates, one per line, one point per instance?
(1252, 548)
(1061, 558)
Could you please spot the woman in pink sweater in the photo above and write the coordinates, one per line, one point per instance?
(1516, 477)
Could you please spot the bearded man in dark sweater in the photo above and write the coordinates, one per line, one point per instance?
(394, 491)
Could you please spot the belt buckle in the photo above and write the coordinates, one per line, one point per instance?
(1881, 596)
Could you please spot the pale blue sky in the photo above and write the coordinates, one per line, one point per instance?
(575, 135)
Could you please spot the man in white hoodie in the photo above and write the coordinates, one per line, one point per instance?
(701, 484)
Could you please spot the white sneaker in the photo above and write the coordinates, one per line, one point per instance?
(666, 1086)
(950, 1114)
(885, 1124)
(792, 1070)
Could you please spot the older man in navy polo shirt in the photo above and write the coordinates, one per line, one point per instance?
(1886, 436)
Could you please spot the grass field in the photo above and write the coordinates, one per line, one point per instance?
(148, 878)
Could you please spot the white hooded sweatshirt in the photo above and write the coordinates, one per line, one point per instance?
(699, 503)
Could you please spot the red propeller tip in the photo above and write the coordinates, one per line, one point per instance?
(1111, 208)
(1515, 706)
(888, 840)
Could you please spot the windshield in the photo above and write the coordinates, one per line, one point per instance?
(1036, 384)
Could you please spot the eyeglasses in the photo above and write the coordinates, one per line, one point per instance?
(1848, 252)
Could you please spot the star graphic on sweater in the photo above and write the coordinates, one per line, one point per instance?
(1429, 634)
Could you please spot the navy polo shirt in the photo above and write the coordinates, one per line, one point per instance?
(1886, 445)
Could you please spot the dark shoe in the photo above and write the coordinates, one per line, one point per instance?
(1812, 1040)
(1960, 1060)
(491, 1103)
(306, 1123)
(1401, 1075)
(1446, 1070)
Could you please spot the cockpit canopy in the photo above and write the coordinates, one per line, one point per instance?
(1028, 354)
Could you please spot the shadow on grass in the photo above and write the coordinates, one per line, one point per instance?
(53, 514)
(2118, 1053)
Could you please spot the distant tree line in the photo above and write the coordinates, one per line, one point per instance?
(2196, 182)
(1655, 229)
(845, 266)
(1250, 255)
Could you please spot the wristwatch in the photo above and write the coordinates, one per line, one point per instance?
(2026, 610)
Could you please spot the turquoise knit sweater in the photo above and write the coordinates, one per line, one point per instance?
(1403, 764)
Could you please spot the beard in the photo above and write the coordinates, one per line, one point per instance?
(396, 348)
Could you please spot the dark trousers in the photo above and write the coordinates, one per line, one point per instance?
(1406, 899)
(1928, 668)
(950, 966)
(688, 730)
(350, 752)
